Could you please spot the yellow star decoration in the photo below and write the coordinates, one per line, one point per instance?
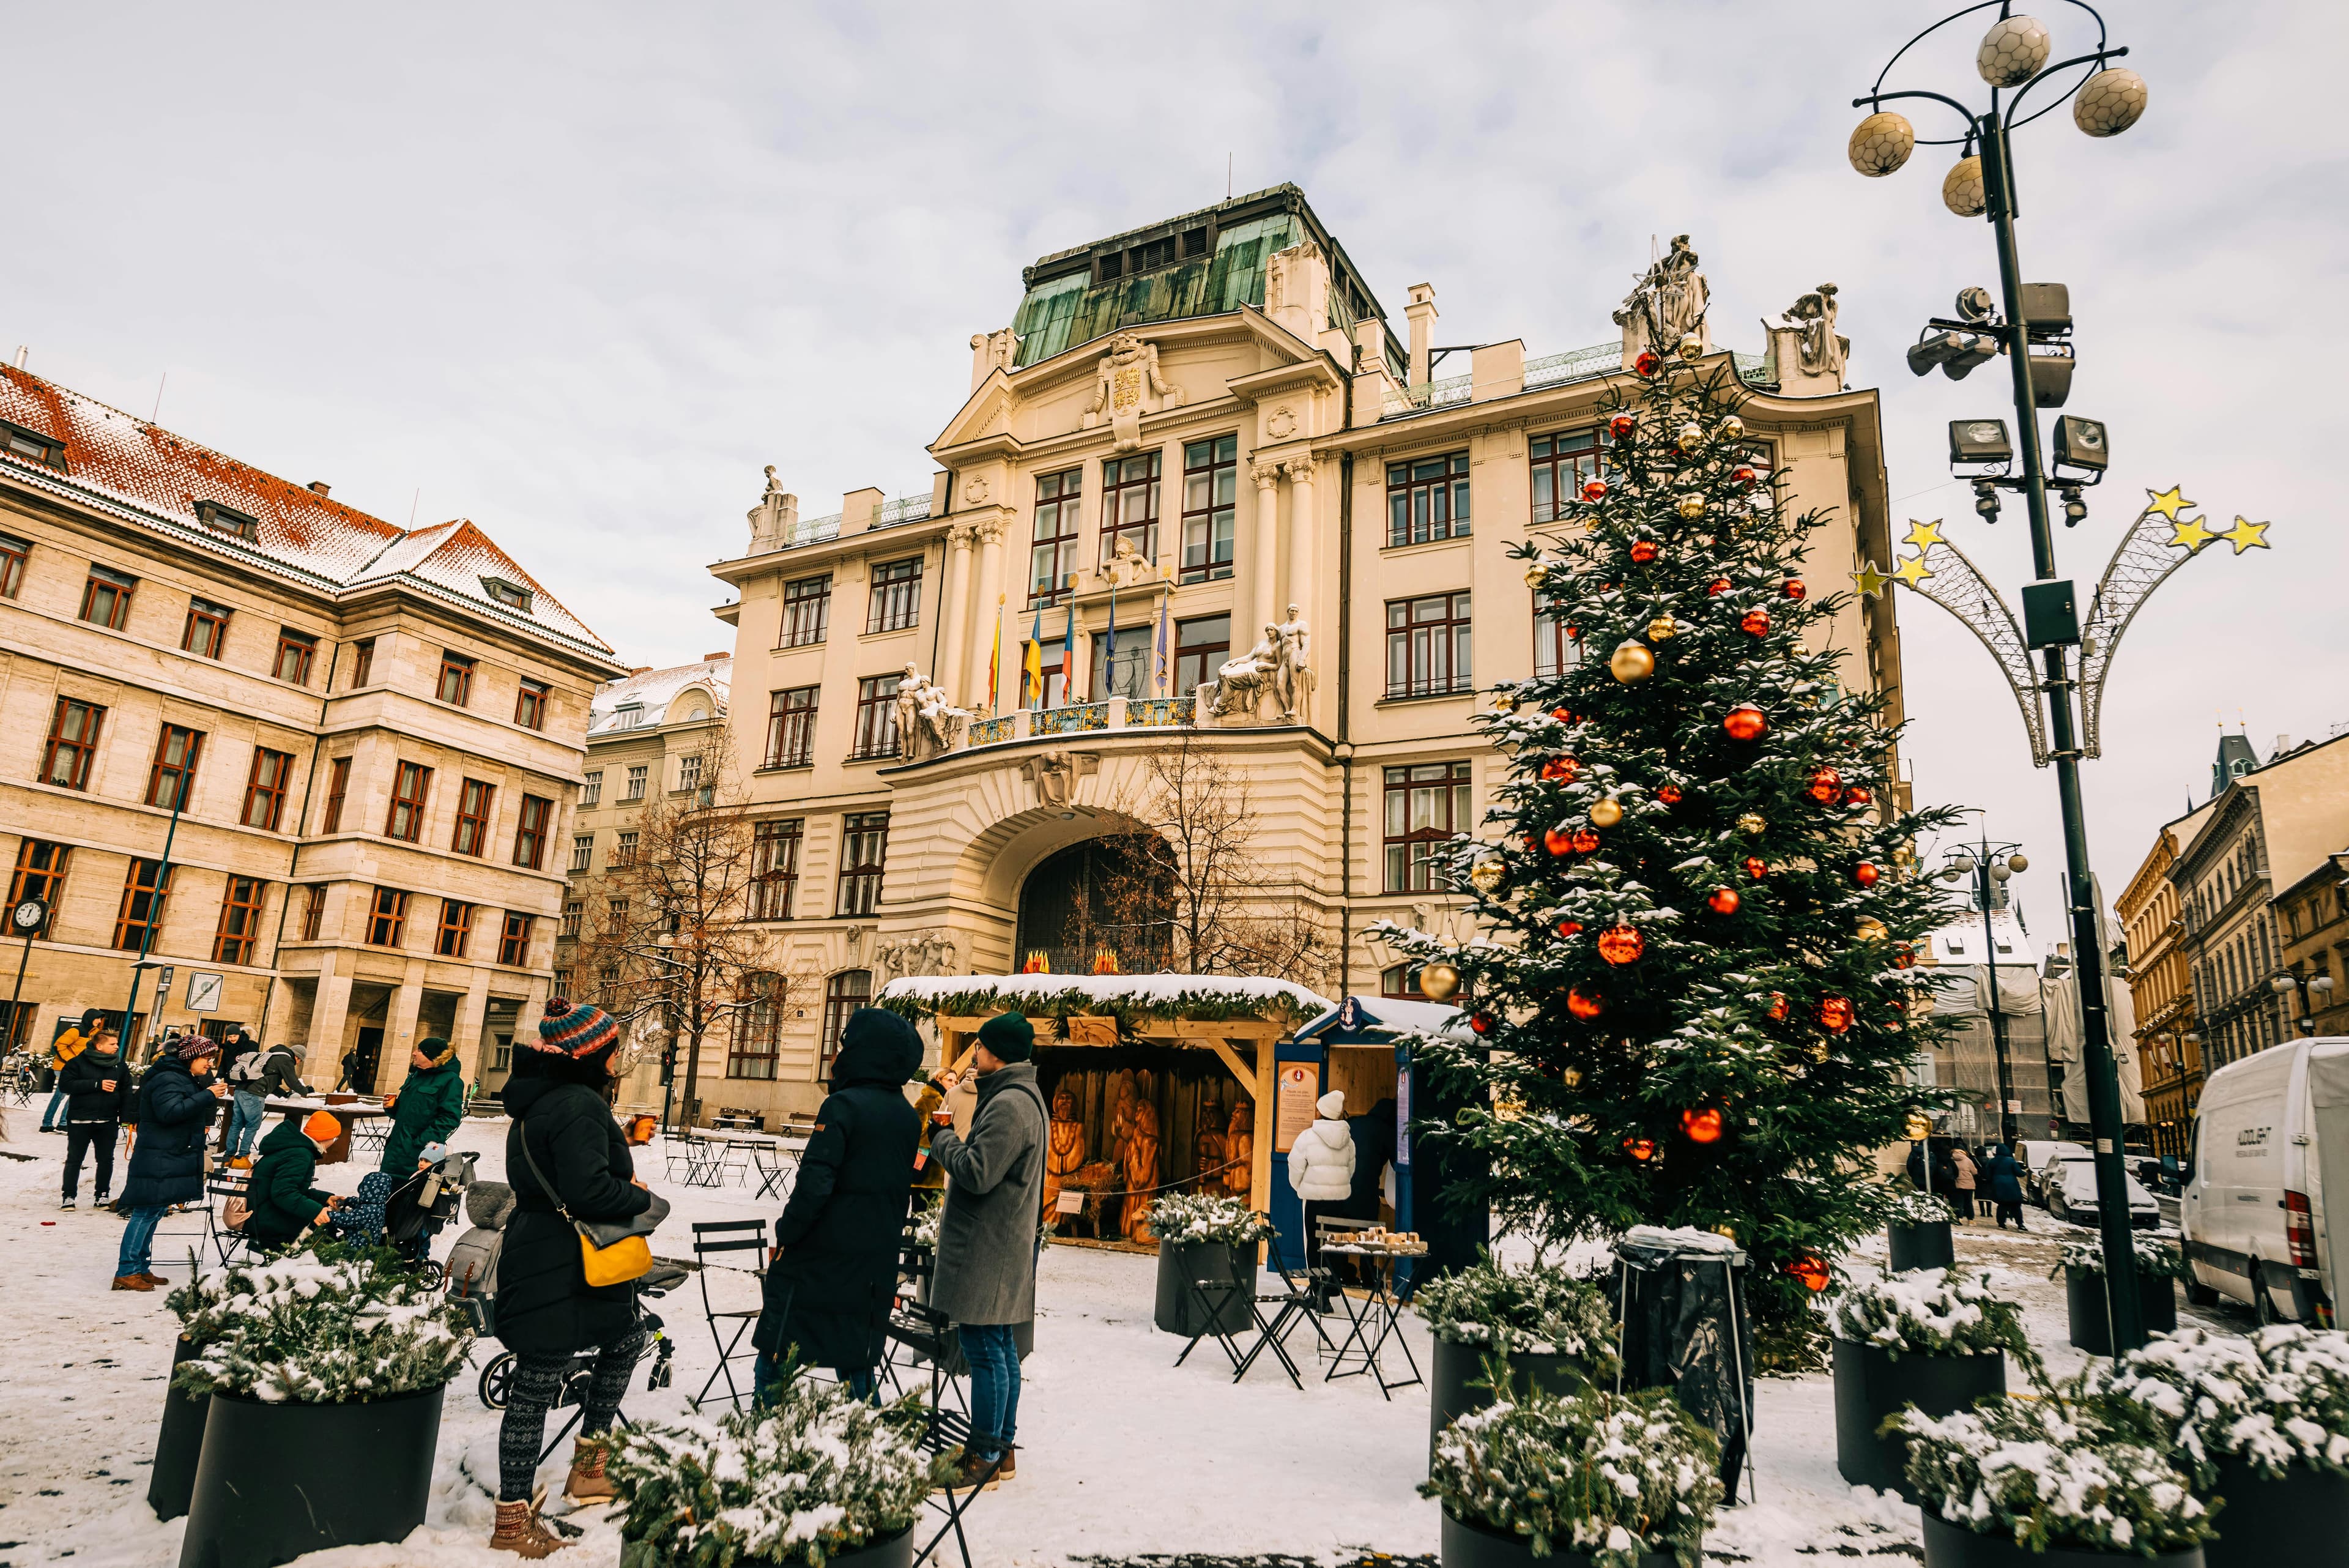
(1870, 579)
(2169, 502)
(1910, 569)
(1924, 536)
(2245, 536)
(2190, 533)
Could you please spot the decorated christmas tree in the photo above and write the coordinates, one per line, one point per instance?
(1694, 991)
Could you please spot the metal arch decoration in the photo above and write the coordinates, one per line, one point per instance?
(2157, 544)
(1958, 587)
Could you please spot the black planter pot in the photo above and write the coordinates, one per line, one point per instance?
(889, 1552)
(2083, 1297)
(1923, 1247)
(278, 1481)
(2299, 1521)
(179, 1442)
(1179, 1309)
(1468, 1545)
(1871, 1383)
(1449, 1395)
(1951, 1545)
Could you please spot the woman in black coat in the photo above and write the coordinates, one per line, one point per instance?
(560, 1097)
(827, 1296)
(177, 1097)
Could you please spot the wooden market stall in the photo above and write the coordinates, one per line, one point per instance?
(1157, 1083)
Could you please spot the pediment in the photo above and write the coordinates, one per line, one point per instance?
(984, 415)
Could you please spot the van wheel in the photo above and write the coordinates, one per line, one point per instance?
(2197, 1294)
(2264, 1306)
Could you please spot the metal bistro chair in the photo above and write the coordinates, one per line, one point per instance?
(776, 1170)
(219, 1188)
(731, 1326)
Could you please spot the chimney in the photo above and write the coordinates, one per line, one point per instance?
(1420, 313)
(318, 485)
(713, 658)
(2283, 744)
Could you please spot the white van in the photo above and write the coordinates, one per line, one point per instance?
(2271, 1133)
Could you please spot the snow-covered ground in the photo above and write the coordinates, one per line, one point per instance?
(1122, 1454)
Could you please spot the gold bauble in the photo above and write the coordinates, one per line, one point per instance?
(1870, 929)
(1802, 648)
(1535, 574)
(1732, 428)
(1571, 1077)
(1750, 824)
(1728, 1231)
(1920, 1127)
(1632, 663)
(1503, 702)
(1486, 875)
(1692, 507)
(1663, 629)
(1439, 980)
(1691, 436)
(1606, 812)
(1691, 346)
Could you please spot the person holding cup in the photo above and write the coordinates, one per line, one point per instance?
(177, 1100)
(97, 1089)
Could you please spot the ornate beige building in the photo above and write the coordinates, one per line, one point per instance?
(319, 768)
(1209, 429)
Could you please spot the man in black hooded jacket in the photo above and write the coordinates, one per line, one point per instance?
(828, 1293)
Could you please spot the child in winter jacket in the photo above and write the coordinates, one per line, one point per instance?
(98, 1087)
(283, 1201)
(1321, 1168)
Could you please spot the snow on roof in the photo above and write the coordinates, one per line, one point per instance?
(152, 477)
(652, 691)
(1962, 941)
(1168, 993)
(1399, 1016)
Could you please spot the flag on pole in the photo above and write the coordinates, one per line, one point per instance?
(1068, 653)
(1109, 664)
(1158, 679)
(994, 656)
(1031, 665)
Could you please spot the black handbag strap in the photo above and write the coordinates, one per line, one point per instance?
(531, 1159)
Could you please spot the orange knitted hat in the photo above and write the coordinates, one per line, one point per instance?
(320, 1126)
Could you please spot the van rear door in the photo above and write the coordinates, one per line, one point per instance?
(2243, 1135)
(2328, 1163)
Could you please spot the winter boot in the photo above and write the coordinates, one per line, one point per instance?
(68, 1205)
(1011, 1470)
(131, 1283)
(587, 1482)
(520, 1532)
(152, 1278)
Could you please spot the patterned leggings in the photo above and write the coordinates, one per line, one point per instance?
(537, 1383)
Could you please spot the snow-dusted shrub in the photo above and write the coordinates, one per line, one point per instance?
(1929, 1312)
(2277, 1397)
(1909, 1207)
(2156, 1252)
(1537, 1311)
(820, 1473)
(1184, 1218)
(1607, 1474)
(334, 1326)
(2051, 1472)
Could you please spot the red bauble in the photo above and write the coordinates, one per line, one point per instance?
(1754, 621)
(1702, 1126)
(1810, 1272)
(1647, 362)
(1835, 1013)
(1754, 868)
(1669, 795)
(1569, 928)
(1778, 1010)
(1594, 489)
(1558, 840)
(1643, 551)
(1856, 796)
(1826, 784)
(1584, 841)
(1561, 715)
(1865, 873)
(1725, 901)
(1745, 476)
(1585, 1004)
(1639, 1148)
(1795, 588)
(1533, 841)
(1715, 589)
(1744, 722)
(1482, 1023)
(1622, 944)
(1904, 956)
(1558, 770)
(1621, 426)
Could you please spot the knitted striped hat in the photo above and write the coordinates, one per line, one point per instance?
(575, 1029)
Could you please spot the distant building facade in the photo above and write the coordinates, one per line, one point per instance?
(316, 768)
(1195, 440)
(2167, 1034)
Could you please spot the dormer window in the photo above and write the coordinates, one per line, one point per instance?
(23, 441)
(629, 715)
(1113, 266)
(513, 596)
(227, 520)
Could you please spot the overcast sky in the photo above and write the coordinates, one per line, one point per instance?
(578, 271)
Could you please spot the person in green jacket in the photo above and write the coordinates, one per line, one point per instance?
(283, 1203)
(425, 1109)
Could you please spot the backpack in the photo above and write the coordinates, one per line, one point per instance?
(249, 1066)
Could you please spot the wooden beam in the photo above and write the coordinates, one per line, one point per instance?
(1261, 1164)
(1240, 1070)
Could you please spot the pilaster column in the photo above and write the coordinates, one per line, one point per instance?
(1303, 533)
(399, 1035)
(1263, 591)
(952, 592)
(989, 537)
(466, 1034)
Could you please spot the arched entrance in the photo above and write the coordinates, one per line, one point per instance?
(1102, 895)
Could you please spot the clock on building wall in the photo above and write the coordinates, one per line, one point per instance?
(28, 917)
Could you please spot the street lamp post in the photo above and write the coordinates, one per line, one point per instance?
(1988, 872)
(2013, 56)
(2293, 979)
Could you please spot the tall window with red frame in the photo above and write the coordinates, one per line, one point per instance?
(40, 873)
(106, 597)
(13, 554)
(338, 786)
(240, 921)
(863, 846)
(314, 910)
(530, 704)
(295, 650)
(896, 601)
(265, 789)
(388, 918)
(513, 940)
(206, 633)
(456, 929)
(475, 799)
(1429, 646)
(807, 612)
(1052, 553)
(409, 788)
(146, 888)
(537, 817)
(1130, 504)
(876, 717)
(73, 744)
(456, 683)
(844, 993)
(1210, 500)
(791, 727)
(1562, 464)
(1426, 809)
(174, 772)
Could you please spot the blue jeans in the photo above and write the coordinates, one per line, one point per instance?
(49, 1116)
(245, 1115)
(994, 1358)
(768, 1371)
(138, 1240)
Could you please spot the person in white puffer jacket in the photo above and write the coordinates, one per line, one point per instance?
(1321, 1168)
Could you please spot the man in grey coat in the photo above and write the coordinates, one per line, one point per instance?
(986, 1280)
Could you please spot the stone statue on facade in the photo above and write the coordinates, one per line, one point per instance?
(928, 723)
(1668, 305)
(1055, 773)
(1292, 673)
(1126, 386)
(775, 518)
(913, 954)
(1819, 350)
(1241, 682)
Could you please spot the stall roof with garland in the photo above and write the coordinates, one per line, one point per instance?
(1128, 997)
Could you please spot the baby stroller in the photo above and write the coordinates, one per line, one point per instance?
(405, 1213)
